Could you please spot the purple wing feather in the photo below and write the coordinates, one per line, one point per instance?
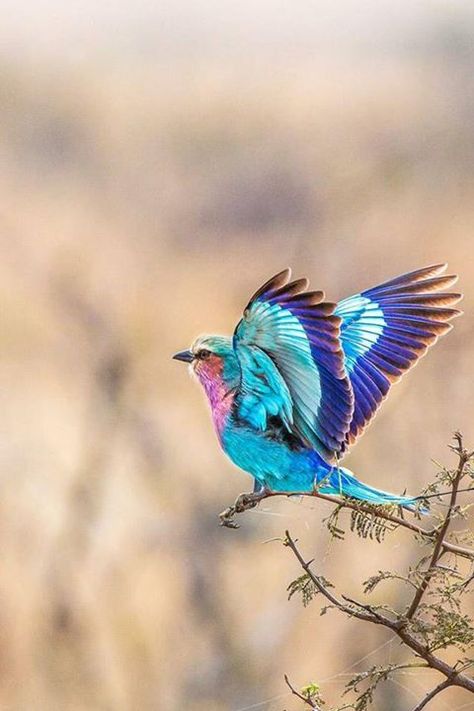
(387, 329)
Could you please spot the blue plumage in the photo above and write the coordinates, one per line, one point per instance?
(301, 378)
(300, 335)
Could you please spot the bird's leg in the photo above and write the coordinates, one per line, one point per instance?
(257, 486)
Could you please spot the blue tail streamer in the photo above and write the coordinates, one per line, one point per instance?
(341, 481)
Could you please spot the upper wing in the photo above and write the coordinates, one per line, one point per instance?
(292, 364)
(385, 330)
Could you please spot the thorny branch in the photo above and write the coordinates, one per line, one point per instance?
(248, 501)
(368, 613)
(464, 457)
(423, 628)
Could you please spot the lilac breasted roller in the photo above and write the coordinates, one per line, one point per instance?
(301, 378)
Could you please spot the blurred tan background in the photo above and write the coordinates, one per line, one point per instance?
(158, 161)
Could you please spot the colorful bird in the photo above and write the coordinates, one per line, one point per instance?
(301, 378)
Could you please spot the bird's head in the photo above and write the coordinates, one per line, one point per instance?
(213, 360)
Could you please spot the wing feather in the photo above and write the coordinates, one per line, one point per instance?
(387, 329)
(298, 333)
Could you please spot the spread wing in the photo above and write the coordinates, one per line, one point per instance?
(387, 329)
(292, 364)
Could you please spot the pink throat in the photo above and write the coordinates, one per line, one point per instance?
(219, 396)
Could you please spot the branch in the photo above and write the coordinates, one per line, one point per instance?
(443, 529)
(425, 628)
(306, 699)
(369, 614)
(467, 582)
(249, 501)
(361, 614)
(423, 497)
(434, 692)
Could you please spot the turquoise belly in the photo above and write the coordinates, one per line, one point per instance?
(269, 461)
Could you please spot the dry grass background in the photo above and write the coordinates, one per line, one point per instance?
(141, 205)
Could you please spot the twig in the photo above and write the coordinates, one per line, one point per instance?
(422, 497)
(443, 529)
(247, 501)
(434, 692)
(306, 699)
(369, 614)
(466, 582)
(290, 543)
(426, 627)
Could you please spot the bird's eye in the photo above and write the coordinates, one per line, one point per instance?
(203, 354)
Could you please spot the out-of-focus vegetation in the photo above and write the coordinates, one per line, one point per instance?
(142, 203)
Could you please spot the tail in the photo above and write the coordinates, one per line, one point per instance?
(341, 481)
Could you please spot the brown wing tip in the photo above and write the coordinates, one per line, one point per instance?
(284, 276)
(275, 282)
(292, 289)
(431, 270)
(449, 279)
(438, 268)
(435, 283)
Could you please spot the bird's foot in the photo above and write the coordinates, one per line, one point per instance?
(247, 501)
(242, 503)
(226, 518)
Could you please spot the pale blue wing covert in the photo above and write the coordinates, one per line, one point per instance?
(292, 365)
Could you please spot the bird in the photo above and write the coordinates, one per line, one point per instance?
(300, 379)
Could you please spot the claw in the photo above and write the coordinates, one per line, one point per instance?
(227, 518)
(229, 523)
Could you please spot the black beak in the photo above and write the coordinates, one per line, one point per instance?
(185, 356)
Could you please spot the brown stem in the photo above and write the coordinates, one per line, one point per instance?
(227, 516)
(442, 531)
(368, 614)
(312, 704)
(359, 614)
(430, 695)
